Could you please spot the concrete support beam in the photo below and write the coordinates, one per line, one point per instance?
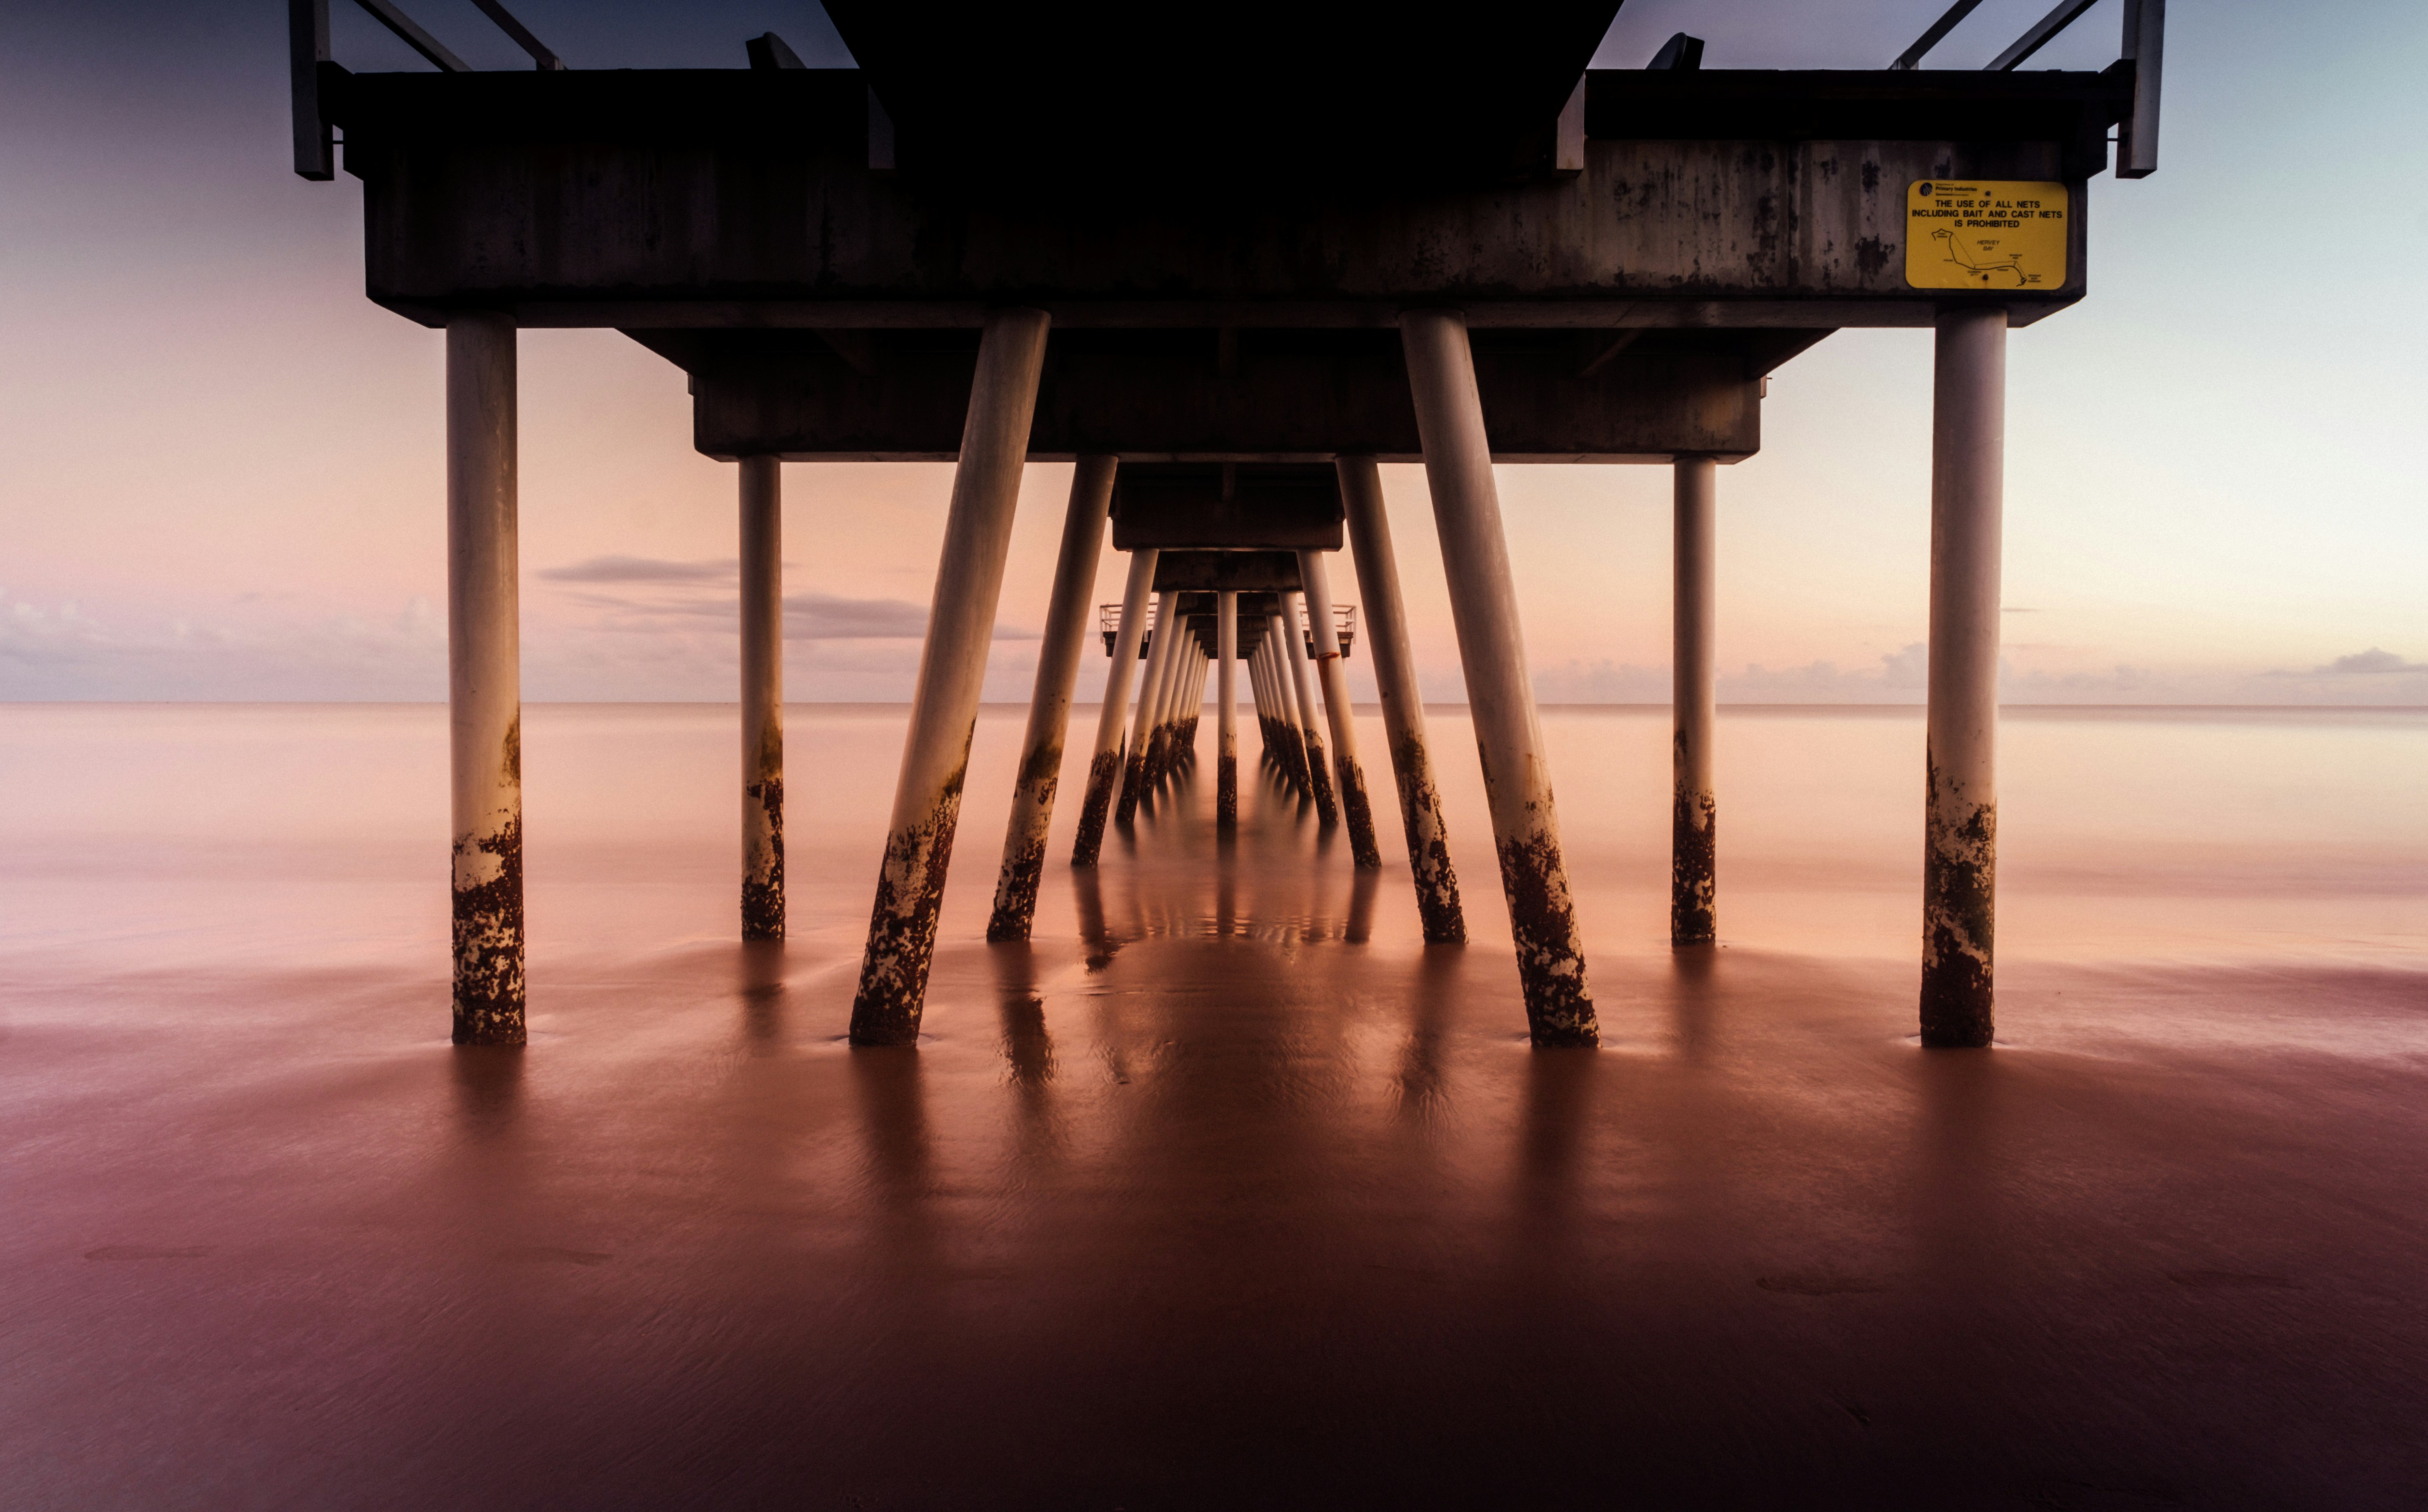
(1049, 706)
(1693, 813)
(1968, 440)
(1227, 712)
(1492, 649)
(1340, 715)
(1319, 775)
(762, 699)
(952, 672)
(1149, 706)
(1404, 709)
(484, 680)
(1104, 766)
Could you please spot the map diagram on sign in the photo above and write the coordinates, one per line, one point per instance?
(1985, 235)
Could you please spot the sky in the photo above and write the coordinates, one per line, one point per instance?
(221, 474)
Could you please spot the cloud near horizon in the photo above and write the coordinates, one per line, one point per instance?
(808, 616)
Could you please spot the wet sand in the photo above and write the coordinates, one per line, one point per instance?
(1226, 1193)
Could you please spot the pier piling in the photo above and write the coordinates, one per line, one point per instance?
(1439, 910)
(1694, 817)
(1318, 777)
(1049, 706)
(1960, 840)
(1147, 724)
(1492, 650)
(952, 672)
(1105, 765)
(484, 680)
(1349, 778)
(762, 699)
(1226, 712)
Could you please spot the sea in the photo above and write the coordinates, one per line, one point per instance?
(1225, 1190)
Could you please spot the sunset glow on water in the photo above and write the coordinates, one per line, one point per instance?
(1225, 1158)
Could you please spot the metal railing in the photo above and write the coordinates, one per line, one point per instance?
(1344, 624)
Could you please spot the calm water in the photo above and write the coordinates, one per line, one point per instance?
(1226, 1193)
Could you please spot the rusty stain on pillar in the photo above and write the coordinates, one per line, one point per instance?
(952, 673)
(1104, 766)
(762, 699)
(1226, 712)
(484, 680)
(1492, 649)
(1349, 778)
(1438, 911)
(1049, 706)
(1146, 726)
(1694, 809)
(1961, 836)
(1319, 776)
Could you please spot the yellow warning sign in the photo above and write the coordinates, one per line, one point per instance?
(1984, 234)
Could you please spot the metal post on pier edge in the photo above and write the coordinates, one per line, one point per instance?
(1349, 778)
(1226, 712)
(762, 699)
(1492, 650)
(1694, 811)
(1438, 911)
(484, 680)
(952, 673)
(1104, 766)
(1049, 707)
(1319, 774)
(1960, 840)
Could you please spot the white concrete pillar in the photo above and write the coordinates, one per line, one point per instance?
(1226, 712)
(1438, 911)
(952, 673)
(1104, 766)
(1067, 611)
(1492, 649)
(1968, 466)
(484, 680)
(1340, 715)
(1319, 773)
(1144, 727)
(1694, 809)
(762, 699)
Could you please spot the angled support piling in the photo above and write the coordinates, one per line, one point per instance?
(1049, 706)
(1968, 440)
(1694, 808)
(952, 672)
(484, 680)
(1147, 726)
(1319, 775)
(1349, 778)
(1492, 649)
(762, 699)
(1104, 766)
(1226, 712)
(1438, 911)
